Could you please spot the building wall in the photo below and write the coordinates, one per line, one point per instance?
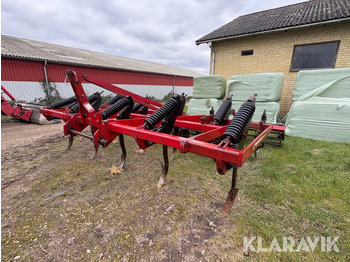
(273, 53)
(22, 79)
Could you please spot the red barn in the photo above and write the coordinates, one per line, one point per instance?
(26, 64)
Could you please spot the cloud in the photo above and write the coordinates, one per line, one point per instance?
(152, 30)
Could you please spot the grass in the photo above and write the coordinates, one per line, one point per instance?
(301, 189)
(5, 117)
(74, 209)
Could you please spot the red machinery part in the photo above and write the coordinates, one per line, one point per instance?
(8, 93)
(17, 112)
(105, 131)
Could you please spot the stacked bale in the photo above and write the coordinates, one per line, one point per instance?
(267, 86)
(208, 92)
(331, 83)
(321, 107)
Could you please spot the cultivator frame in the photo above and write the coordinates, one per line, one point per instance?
(213, 139)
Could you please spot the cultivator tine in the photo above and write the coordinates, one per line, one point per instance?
(70, 141)
(165, 167)
(95, 152)
(231, 195)
(175, 133)
(173, 154)
(123, 156)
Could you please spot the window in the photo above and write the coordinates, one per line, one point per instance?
(313, 56)
(247, 52)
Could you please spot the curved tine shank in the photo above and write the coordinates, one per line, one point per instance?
(173, 154)
(175, 133)
(95, 152)
(165, 167)
(232, 194)
(123, 156)
(70, 141)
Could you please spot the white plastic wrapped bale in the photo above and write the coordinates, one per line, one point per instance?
(268, 86)
(272, 110)
(202, 106)
(333, 83)
(321, 119)
(213, 86)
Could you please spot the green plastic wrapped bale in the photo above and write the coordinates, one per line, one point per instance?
(320, 118)
(333, 83)
(213, 86)
(268, 86)
(272, 110)
(202, 106)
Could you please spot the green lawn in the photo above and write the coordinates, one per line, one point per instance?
(299, 190)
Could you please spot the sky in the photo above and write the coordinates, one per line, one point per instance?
(160, 31)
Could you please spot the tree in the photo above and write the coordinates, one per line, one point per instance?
(51, 94)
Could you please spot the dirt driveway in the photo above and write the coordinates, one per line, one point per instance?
(17, 133)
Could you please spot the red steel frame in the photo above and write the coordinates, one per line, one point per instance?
(108, 130)
(17, 112)
(105, 131)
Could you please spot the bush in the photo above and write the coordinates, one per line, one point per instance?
(51, 96)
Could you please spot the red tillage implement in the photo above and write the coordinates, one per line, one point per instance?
(214, 136)
(21, 111)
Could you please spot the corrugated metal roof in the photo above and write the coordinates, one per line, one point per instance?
(291, 16)
(30, 49)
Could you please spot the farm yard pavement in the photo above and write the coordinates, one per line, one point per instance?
(62, 205)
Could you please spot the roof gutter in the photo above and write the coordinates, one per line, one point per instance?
(271, 31)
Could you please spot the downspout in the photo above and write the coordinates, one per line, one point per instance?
(174, 84)
(212, 58)
(47, 80)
